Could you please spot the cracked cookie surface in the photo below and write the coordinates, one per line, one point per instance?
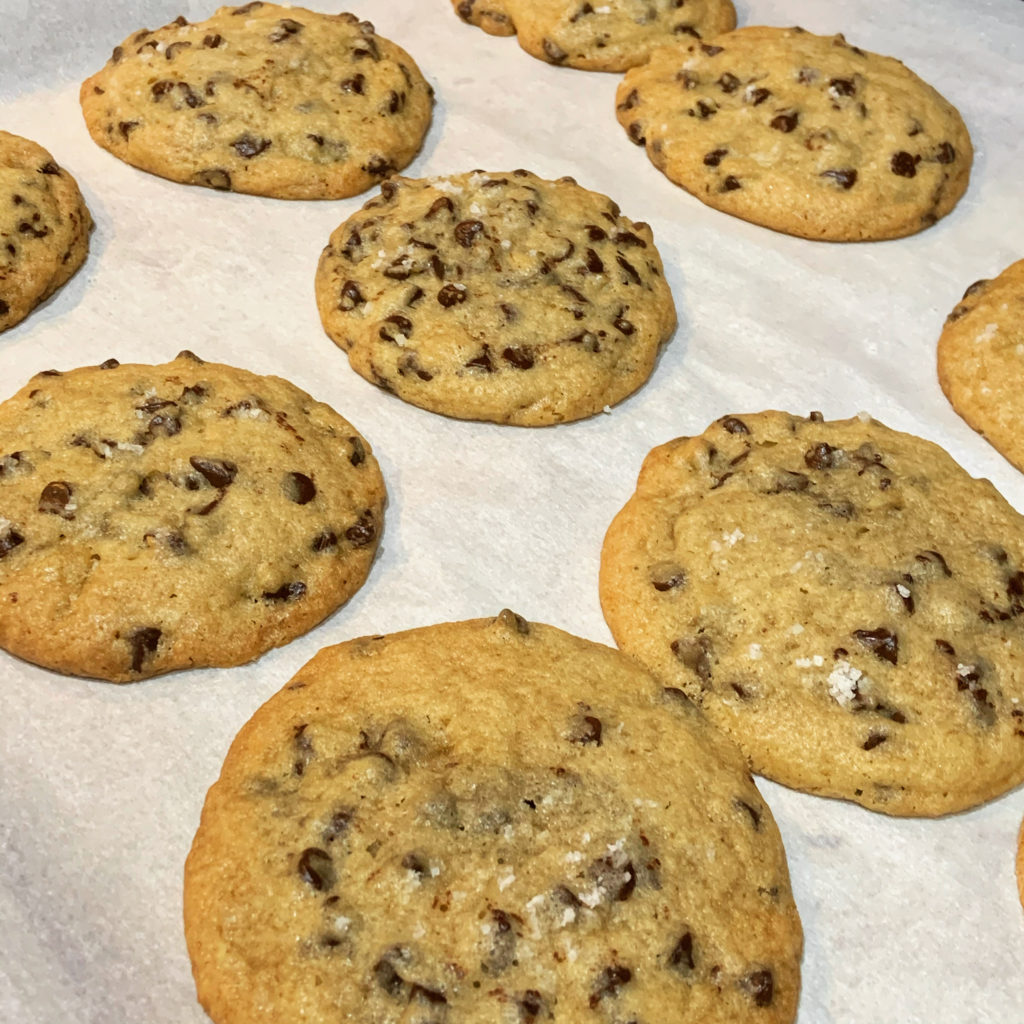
(496, 296)
(800, 133)
(163, 517)
(844, 600)
(270, 100)
(981, 359)
(44, 227)
(609, 36)
(490, 821)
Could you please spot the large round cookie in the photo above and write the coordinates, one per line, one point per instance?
(163, 517)
(981, 360)
(609, 36)
(842, 599)
(800, 133)
(44, 227)
(487, 821)
(496, 296)
(276, 101)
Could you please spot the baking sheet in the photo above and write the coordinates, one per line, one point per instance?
(101, 786)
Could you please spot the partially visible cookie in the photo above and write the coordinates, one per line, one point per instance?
(163, 517)
(496, 296)
(276, 101)
(487, 821)
(44, 227)
(981, 360)
(842, 599)
(609, 36)
(800, 133)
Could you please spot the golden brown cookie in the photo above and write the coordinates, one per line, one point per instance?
(44, 227)
(842, 599)
(163, 517)
(801, 133)
(276, 101)
(487, 821)
(981, 359)
(496, 296)
(609, 36)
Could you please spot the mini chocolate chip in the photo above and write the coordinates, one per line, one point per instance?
(714, 158)
(143, 642)
(56, 499)
(681, 957)
(759, 985)
(363, 531)
(904, 164)
(730, 184)
(316, 868)
(299, 488)
(785, 122)
(881, 642)
(218, 472)
(874, 739)
(608, 983)
(845, 177)
(286, 592)
(521, 358)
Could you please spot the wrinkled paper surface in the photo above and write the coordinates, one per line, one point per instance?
(101, 786)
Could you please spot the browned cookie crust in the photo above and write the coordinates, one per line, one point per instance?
(271, 100)
(44, 227)
(843, 599)
(612, 35)
(981, 359)
(496, 296)
(487, 821)
(163, 517)
(801, 133)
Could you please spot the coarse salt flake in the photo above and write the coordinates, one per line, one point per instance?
(842, 682)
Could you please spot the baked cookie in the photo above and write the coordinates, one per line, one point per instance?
(609, 36)
(163, 517)
(44, 227)
(842, 599)
(800, 133)
(486, 821)
(499, 297)
(276, 101)
(981, 359)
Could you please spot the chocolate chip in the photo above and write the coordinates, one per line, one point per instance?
(930, 558)
(442, 203)
(667, 576)
(785, 122)
(714, 158)
(338, 824)
(215, 178)
(845, 177)
(711, 51)
(286, 592)
(512, 620)
(466, 232)
(756, 96)
(554, 52)
(403, 323)
(247, 145)
(874, 739)
(482, 361)
(728, 82)
(820, 456)
(945, 647)
(681, 957)
(730, 184)
(881, 642)
(358, 456)
(212, 41)
(316, 868)
(695, 653)
(635, 131)
(388, 978)
(353, 85)
(285, 28)
(326, 540)
(531, 1005)
(841, 87)
(759, 985)
(9, 540)
(789, 481)
(452, 295)
(630, 101)
(608, 983)
(593, 262)
(587, 729)
(299, 488)
(379, 167)
(520, 357)
(503, 944)
(904, 164)
(56, 499)
(218, 472)
(363, 531)
(946, 153)
(143, 642)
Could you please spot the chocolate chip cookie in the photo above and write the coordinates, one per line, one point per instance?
(164, 517)
(842, 599)
(981, 359)
(487, 821)
(276, 101)
(800, 133)
(610, 36)
(496, 296)
(44, 227)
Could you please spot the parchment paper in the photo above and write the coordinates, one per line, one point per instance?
(101, 786)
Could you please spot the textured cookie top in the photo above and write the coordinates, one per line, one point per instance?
(163, 517)
(276, 101)
(496, 296)
(44, 227)
(844, 600)
(800, 133)
(981, 360)
(610, 36)
(487, 821)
